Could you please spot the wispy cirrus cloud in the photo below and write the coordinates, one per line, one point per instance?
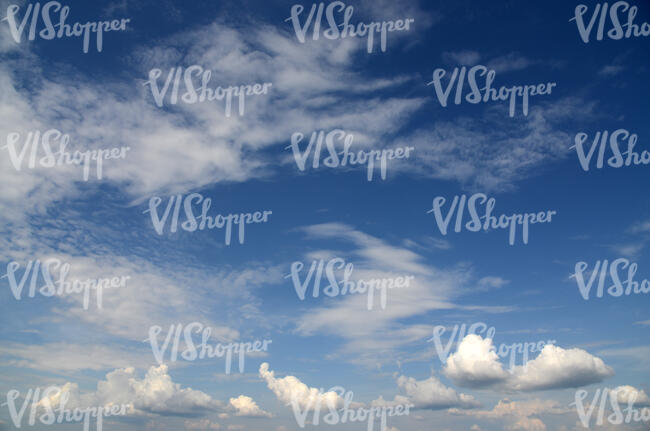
(493, 152)
(381, 332)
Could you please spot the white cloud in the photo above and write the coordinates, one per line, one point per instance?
(150, 296)
(493, 152)
(246, 407)
(374, 334)
(291, 391)
(476, 364)
(518, 415)
(190, 146)
(557, 368)
(492, 282)
(155, 394)
(428, 394)
(629, 394)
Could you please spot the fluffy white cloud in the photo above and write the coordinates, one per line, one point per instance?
(557, 368)
(629, 394)
(245, 406)
(291, 391)
(475, 364)
(428, 394)
(156, 394)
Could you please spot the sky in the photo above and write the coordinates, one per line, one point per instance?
(249, 160)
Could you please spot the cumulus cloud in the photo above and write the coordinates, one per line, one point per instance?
(428, 394)
(291, 391)
(517, 415)
(476, 364)
(627, 394)
(246, 407)
(557, 368)
(156, 394)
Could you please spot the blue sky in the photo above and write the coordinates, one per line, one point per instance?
(242, 163)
